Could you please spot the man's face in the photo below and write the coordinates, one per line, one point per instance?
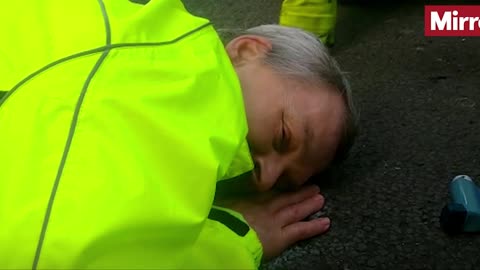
(294, 126)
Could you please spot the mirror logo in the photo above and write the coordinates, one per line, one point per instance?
(451, 20)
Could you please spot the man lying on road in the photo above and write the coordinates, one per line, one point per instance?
(120, 118)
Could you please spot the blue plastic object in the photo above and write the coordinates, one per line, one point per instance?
(462, 214)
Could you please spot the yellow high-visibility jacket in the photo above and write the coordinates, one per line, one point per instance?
(120, 117)
(316, 16)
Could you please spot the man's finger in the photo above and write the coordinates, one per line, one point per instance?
(299, 211)
(305, 229)
(295, 197)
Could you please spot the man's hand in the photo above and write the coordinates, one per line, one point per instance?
(279, 218)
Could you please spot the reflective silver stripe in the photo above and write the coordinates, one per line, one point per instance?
(70, 135)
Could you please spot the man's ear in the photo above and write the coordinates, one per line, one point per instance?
(247, 48)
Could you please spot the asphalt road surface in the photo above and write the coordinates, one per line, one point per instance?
(420, 115)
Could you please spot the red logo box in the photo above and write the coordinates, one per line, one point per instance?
(452, 20)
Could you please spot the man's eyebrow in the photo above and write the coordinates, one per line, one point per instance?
(307, 139)
(308, 134)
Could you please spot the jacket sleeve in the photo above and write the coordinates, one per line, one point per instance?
(221, 243)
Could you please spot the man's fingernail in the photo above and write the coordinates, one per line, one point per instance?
(318, 197)
(325, 222)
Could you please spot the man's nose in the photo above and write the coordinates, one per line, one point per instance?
(267, 173)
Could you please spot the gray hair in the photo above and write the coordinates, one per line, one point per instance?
(301, 55)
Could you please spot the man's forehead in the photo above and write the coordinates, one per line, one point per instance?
(322, 134)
